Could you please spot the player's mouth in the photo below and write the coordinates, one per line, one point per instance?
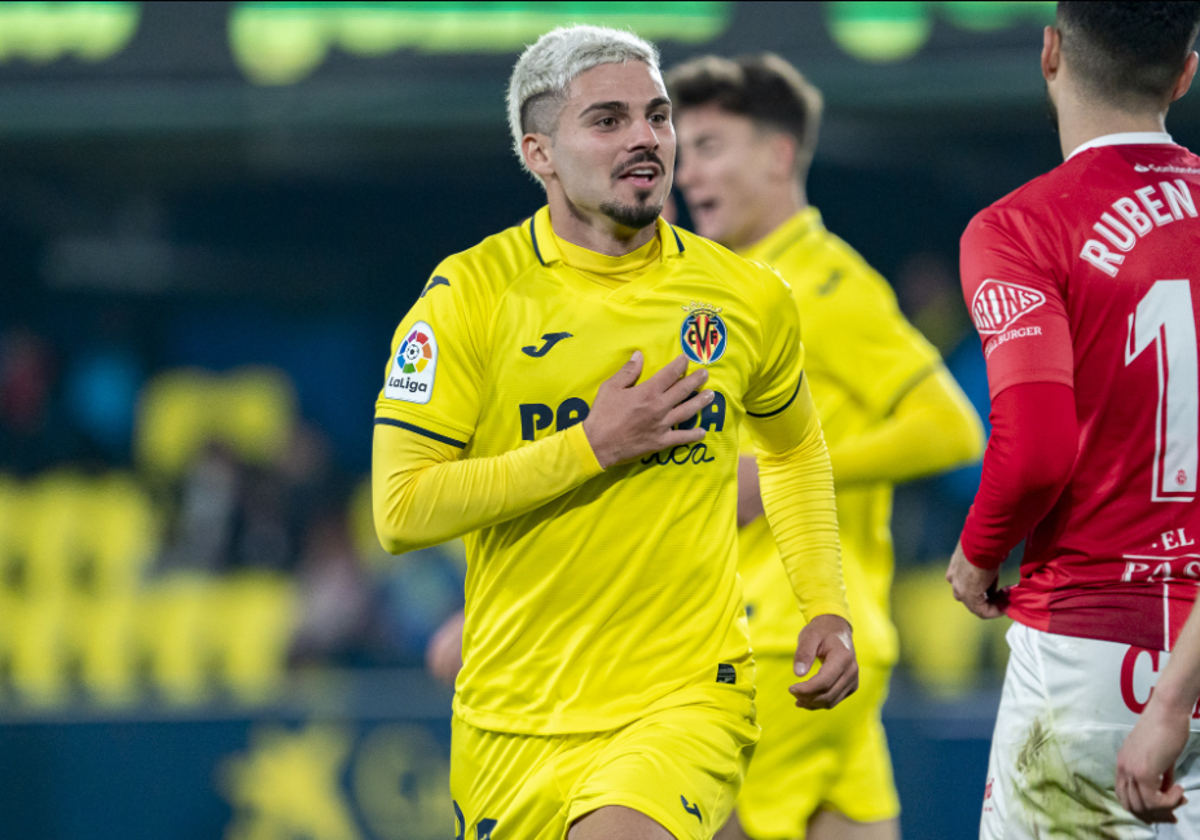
(642, 175)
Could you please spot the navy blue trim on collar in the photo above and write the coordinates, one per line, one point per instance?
(678, 241)
(782, 407)
(533, 236)
(387, 421)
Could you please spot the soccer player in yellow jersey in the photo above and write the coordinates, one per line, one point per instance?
(890, 412)
(538, 400)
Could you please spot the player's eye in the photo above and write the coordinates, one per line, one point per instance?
(606, 122)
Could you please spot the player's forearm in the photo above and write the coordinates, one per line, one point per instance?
(1028, 462)
(934, 428)
(1179, 686)
(422, 497)
(796, 483)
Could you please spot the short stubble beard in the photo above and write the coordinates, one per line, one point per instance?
(636, 216)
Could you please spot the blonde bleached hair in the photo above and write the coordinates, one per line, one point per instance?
(544, 72)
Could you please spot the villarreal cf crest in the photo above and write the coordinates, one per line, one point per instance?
(703, 334)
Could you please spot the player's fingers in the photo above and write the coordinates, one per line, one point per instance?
(680, 437)
(668, 374)
(685, 387)
(627, 375)
(689, 409)
(1137, 805)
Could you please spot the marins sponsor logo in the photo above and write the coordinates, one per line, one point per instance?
(413, 369)
(997, 305)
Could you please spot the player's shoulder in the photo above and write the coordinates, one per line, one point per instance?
(491, 266)
(750, 276)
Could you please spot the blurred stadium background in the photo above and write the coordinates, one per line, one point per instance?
(212, 215)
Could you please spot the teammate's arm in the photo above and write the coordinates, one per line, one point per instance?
(425, 494)
(1146, 763)
(933, 428)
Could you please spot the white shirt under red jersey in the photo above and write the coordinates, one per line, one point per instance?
(1089, 276)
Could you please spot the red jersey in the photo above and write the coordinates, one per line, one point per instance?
(1089, 276)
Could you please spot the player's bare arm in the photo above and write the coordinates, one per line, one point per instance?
(1146, 762)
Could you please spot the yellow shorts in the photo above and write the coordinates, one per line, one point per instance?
(808, 760)
(681, 767)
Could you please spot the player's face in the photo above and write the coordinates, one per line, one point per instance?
(614, 150)
(725, 173)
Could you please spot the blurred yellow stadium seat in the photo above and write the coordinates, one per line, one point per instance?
(38, 648)
(173, 621)
(251, 630)
(943, 644)
(172, 420)
(258, 414)
(12, 533)
(57, 520)
(124, 535)
(252, 410)
(105, 637)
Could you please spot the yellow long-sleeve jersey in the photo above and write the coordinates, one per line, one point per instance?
(595, 596)
(863, 358)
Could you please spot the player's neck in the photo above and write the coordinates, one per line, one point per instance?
(775, 213)
(594, 232)
(1081, 121)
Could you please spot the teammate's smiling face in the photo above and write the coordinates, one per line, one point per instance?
(613, 152)
(730, 172)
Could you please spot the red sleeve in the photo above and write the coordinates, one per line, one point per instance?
(1028, 462)
(1013, 294)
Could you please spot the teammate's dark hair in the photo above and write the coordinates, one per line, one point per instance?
(765, 88)
(1128, 54)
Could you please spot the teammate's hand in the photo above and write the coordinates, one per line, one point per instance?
(1146, 763)
(829, 639)
(443, 654)
(628, 420)
(973, 586)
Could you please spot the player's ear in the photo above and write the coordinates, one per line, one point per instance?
(1051, 52)
(783, 151)
(536, 150)
(1185, 78)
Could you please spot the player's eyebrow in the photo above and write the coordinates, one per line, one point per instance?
(657, 102)
(614, 105)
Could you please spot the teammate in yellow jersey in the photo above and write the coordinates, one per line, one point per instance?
(607, 684)
(890, 410)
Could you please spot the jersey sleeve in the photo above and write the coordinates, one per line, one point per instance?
(435, 373)
(776, 382)
(1016, 304)
(870, 348)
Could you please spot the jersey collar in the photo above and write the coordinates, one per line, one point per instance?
(1125, 138)
(546, 248)
(772, 246)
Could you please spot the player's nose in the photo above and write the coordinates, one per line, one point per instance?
(643, 136)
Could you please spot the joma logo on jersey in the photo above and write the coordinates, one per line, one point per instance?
(703, 334)
(997, 305)
(539, 417)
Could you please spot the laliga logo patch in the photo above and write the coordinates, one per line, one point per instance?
(703, 335)
(411, 376)
(997, 305)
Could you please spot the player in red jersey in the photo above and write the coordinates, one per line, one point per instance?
(1084, 286)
